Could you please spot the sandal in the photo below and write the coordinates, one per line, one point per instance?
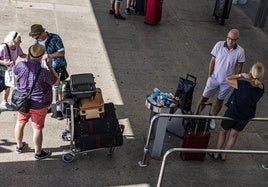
(212, 156)
(222, 159)
(20, 149)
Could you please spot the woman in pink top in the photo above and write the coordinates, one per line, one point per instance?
(10, 50)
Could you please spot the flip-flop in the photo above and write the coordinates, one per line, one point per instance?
(212, 156)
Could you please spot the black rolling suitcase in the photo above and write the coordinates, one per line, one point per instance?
(106, 124)
(105, 140)
(83, 85)
(99, 133)
(222, 10)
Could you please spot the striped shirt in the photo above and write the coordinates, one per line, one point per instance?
(41, 96)
(226, 60)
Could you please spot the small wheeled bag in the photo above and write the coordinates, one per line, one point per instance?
(83, 85)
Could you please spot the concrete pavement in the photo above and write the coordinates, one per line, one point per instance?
(129, 59)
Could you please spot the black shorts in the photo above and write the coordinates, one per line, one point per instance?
(238, 125)
(2, 84)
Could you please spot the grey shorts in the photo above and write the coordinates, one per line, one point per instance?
(213, 87)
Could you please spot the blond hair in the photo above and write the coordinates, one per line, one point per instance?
(257, 72)
(12, 38)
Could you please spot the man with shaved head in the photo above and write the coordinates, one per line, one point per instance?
(227, 58)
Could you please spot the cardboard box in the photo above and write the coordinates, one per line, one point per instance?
(92, 108)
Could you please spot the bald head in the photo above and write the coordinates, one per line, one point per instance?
(233, 33)
(232, 37)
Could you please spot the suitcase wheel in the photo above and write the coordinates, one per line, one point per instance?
(67, 157)
(110, 151)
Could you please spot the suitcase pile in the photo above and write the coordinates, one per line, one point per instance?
(95, 124)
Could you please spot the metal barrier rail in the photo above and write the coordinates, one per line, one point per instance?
(161, 174)
(143, 162)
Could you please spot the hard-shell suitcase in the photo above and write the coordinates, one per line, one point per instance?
(153, 11)
(92, 108)
(140, 7)
(83, 85)
(197, 137)
(107, 124)
(195, 140)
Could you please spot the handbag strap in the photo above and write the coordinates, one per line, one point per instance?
(8, 50)
(37, 75)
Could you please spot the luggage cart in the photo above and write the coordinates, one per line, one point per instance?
(71, 112)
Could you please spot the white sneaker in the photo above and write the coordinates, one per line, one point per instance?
(6, 106)
(212, 124)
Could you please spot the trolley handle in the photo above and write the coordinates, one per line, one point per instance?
(68, 101)
(189, 76)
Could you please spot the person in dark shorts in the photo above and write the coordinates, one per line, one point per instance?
(248, 89)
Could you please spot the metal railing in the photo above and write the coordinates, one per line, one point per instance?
(144, 163)
(161, 174)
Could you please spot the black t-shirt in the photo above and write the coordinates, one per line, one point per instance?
(244, 101)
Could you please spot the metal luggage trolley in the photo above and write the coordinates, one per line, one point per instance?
(71, 112)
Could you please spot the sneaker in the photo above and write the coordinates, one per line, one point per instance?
(66, 135)
(6, 106)
(111, 11)
(212, 124)
(22, 148)
(59, 115)
(264, 166)
(132, 8)
(127, 11)
(44, 154)
(119, 16)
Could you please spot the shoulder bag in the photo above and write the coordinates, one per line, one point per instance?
(21, 101)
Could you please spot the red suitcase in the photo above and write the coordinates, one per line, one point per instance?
(153, 11)
(196, 138)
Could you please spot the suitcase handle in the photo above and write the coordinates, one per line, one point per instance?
(205, 129)
(191, 77)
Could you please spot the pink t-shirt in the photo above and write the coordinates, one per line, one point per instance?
(14, 53)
